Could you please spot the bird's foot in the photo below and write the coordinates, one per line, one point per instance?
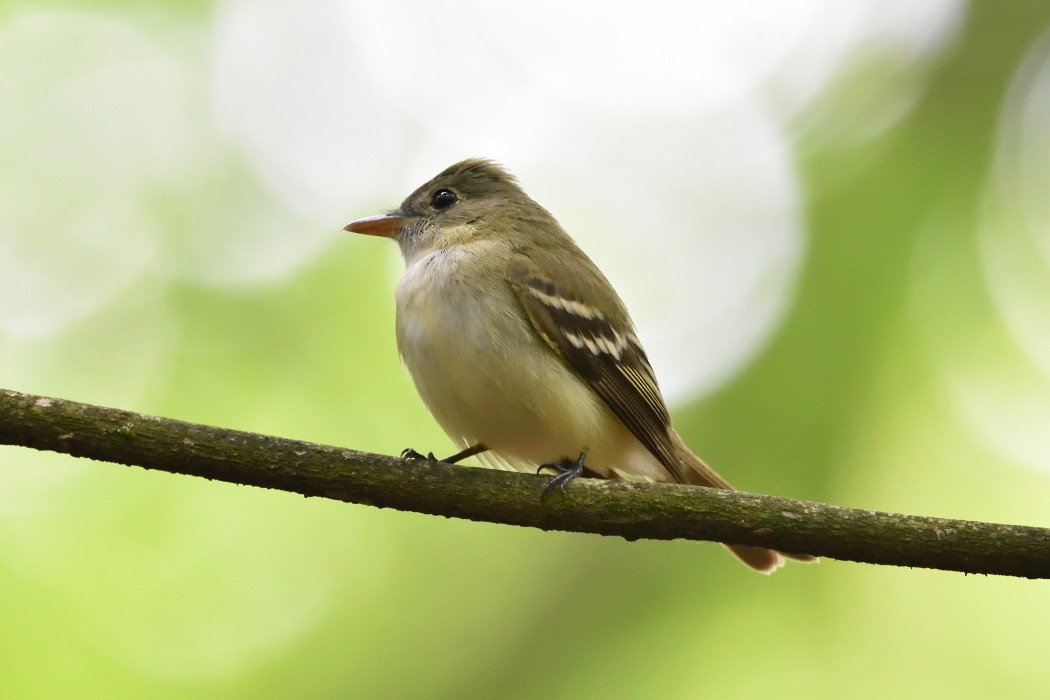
(409, 453)
(567, 470)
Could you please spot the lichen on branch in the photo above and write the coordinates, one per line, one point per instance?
(629, 510)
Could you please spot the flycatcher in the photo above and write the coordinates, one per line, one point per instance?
(520, 347)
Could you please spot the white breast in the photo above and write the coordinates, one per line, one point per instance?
(487, 376)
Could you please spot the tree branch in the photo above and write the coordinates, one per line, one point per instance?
(632, 511)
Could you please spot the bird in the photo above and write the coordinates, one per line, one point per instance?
(521, 348)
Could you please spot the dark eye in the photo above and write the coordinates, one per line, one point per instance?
(443, 199)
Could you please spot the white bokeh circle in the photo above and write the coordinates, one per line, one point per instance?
(659, 138)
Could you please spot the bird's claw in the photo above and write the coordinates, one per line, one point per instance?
(477, 449)
(566, 472)
(409, 453)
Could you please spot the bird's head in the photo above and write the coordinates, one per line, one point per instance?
(472, 200)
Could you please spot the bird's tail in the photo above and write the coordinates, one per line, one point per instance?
(697, 473)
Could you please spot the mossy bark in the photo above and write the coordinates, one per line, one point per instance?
(629, 510)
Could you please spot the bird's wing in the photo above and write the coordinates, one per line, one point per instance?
(607, 357)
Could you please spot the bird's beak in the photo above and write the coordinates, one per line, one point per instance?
(385, 225)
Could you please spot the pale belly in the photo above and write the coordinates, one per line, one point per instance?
(506, 388)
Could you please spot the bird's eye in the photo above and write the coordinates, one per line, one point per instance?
(443, 199)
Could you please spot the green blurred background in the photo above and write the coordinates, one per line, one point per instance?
(173, 178)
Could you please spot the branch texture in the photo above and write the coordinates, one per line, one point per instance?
(633, 511)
